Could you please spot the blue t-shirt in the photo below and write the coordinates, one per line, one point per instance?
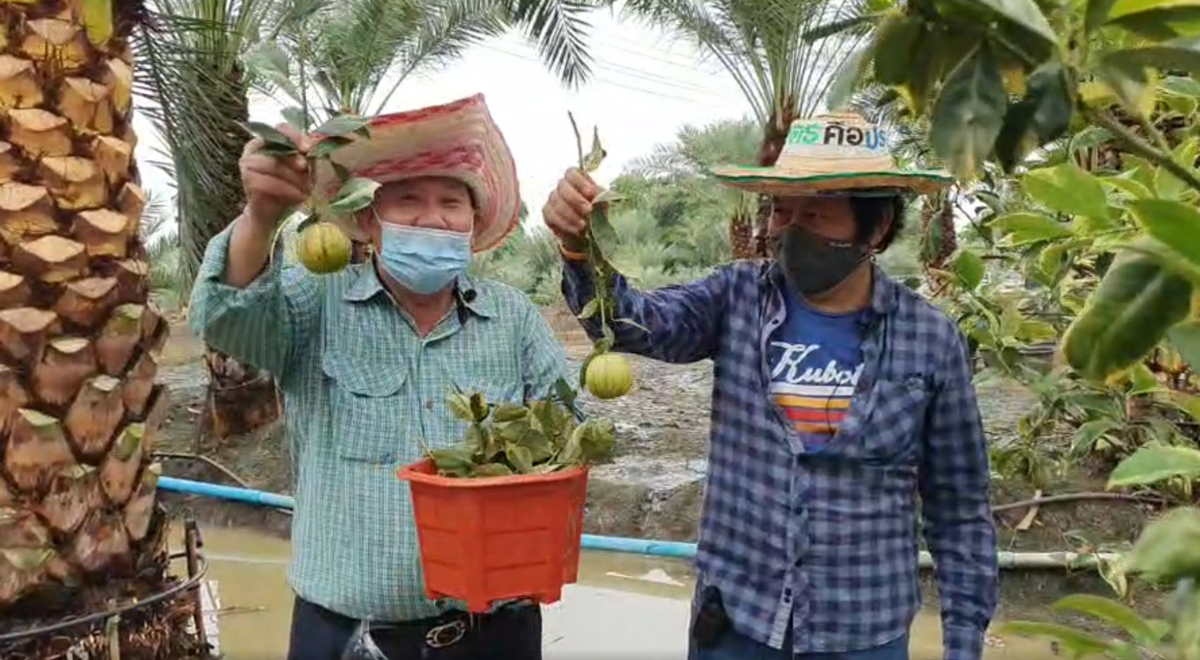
(815, 361)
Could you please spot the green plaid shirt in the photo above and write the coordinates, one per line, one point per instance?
(362, 390)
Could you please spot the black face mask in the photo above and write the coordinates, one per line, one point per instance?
(813, 264)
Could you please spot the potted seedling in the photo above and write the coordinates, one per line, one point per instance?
(500, 515)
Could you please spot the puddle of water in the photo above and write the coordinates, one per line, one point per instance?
(624, 605)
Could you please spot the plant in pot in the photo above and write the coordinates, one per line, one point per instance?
(500, 516)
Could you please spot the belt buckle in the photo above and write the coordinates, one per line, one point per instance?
(446, 634)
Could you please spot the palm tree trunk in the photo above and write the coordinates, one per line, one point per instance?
(79, 410)
(241, 399)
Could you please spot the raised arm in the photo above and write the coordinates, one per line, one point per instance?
(957, 513)
(261, 323)
(244, 302)
(679, 323)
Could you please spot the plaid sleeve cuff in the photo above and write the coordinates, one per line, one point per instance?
(962, 643)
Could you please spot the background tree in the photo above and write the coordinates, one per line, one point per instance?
(784, 77)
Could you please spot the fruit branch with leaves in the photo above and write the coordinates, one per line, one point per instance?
(606, 375)
(323, 247)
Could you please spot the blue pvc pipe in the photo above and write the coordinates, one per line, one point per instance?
(673, 549)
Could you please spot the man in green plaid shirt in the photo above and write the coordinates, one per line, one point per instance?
(365, 358)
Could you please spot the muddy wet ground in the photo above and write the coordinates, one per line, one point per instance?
(624, 606)
(653, 486)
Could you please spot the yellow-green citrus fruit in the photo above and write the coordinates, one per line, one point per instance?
(608, 376)
(323, 248)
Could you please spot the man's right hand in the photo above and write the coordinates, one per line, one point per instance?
(273, 184)
(567, 210)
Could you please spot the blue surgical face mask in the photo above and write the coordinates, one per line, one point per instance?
(424, 260)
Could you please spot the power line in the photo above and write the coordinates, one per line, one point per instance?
(614, 83)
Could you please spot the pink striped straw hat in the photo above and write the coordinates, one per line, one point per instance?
(458, 140)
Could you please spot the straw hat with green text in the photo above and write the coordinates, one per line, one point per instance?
(832, 153)
(457, 140)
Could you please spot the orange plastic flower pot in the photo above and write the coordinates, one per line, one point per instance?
(497, 538)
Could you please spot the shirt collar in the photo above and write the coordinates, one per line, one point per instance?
(366, 285)
(883, 288)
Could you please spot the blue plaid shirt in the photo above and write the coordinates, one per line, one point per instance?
(827, 542)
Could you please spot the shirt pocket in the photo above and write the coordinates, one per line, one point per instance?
(895, 420)
(368, 408)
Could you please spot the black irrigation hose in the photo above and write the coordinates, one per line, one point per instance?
(38, 631)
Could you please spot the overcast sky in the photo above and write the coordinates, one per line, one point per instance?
(644, 87)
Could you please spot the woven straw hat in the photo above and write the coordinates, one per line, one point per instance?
(458, 140)
(832, 152)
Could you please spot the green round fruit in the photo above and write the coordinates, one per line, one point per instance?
(608, 376)
(323, 248)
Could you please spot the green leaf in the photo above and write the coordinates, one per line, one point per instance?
(1143, 380)
(479, 406)
(969, 269)
(1074, 641)
(271, 136)
(492, 470)
(1129, 185)
(1188, 403)
(1067, 188)
(1023, 228)
(1130, 311)
(1042, 115)
(342, 125)
(1182, 53)
(1180, 86)
(540, 447)
(1035, 331)
(1110, 611)
(590, 309)
(895, 42)
(355, 195)
(596, 439)
(564, 391)
(1125, 10)
(1024, 14)
(520, 458)
(460, 406)
(1129, 81)
(295, 117)
(1097, 14)
(1169, 548)
(1185, 338)
(1160, 24)
(572, 452)
(452, 459)
(1087, 434)
(601, 229)
(270, 61)
(1175, 224)
(969, 113)
(326, 147)
(631, 322)
(513, 431)
(1154, 463)
(509, 412)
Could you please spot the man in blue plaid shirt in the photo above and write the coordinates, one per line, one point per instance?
(840, 398)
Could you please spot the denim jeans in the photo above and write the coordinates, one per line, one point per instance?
(736, 647)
